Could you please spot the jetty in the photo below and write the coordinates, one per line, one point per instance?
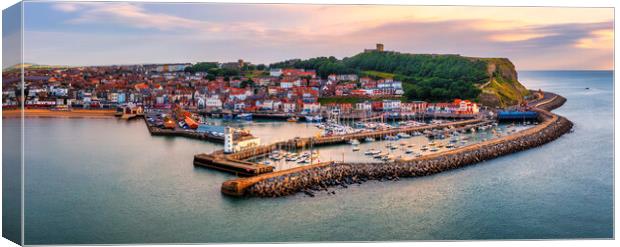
(321, 176)
(154, 131)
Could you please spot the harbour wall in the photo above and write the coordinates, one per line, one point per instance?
(322, 176)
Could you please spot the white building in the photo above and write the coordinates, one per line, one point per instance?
(213, 102)
(289, 107)
(113, 97)
(275, 72)
(286, 84)
(59, 91)
(350, 77)
(312, 107)
(391, 105)
(363, 106)
(232, 146)
(266, 105)
(239, 106)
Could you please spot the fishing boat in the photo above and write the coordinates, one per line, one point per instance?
(369, 152)
(424, 148)
(354, 142)
(391, 138)
(245, 116)
(378, 155)
(310, 118)
(408, 151)
(292, 119)
(434, 149)
(369, 139)
(228, 117)
(403, 135)
(291, 158)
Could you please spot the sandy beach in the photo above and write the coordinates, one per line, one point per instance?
(79, 113)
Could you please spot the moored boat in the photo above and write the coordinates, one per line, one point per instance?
(292, 119)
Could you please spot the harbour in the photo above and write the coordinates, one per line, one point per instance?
(129, 184)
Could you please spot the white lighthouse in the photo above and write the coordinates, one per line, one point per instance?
(228, 140)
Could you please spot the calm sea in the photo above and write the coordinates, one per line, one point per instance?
(106, 181)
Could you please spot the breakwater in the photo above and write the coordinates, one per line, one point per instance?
(323, 176)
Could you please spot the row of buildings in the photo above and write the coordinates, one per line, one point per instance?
(160, 86)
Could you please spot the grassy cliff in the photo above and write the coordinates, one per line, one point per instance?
(503, 87)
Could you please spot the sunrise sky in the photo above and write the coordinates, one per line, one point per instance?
(127, 33)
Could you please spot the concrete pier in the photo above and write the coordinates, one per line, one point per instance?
(322, 176)
(238, 167)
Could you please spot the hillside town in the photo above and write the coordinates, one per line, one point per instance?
(276, 90)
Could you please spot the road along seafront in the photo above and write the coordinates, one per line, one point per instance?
(321, 176)
(47, 113)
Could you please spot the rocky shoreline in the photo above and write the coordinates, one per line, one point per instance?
(343, 174)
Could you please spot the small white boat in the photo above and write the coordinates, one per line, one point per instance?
(369, 139)
(404, 135)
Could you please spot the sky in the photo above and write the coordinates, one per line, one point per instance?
(104, 33)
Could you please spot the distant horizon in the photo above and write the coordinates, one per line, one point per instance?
(132, 64)
(118, 33)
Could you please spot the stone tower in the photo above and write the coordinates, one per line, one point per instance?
(379, 47)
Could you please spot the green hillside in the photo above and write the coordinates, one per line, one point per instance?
(430, 77)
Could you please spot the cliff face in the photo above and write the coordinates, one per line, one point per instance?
(503, 87)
